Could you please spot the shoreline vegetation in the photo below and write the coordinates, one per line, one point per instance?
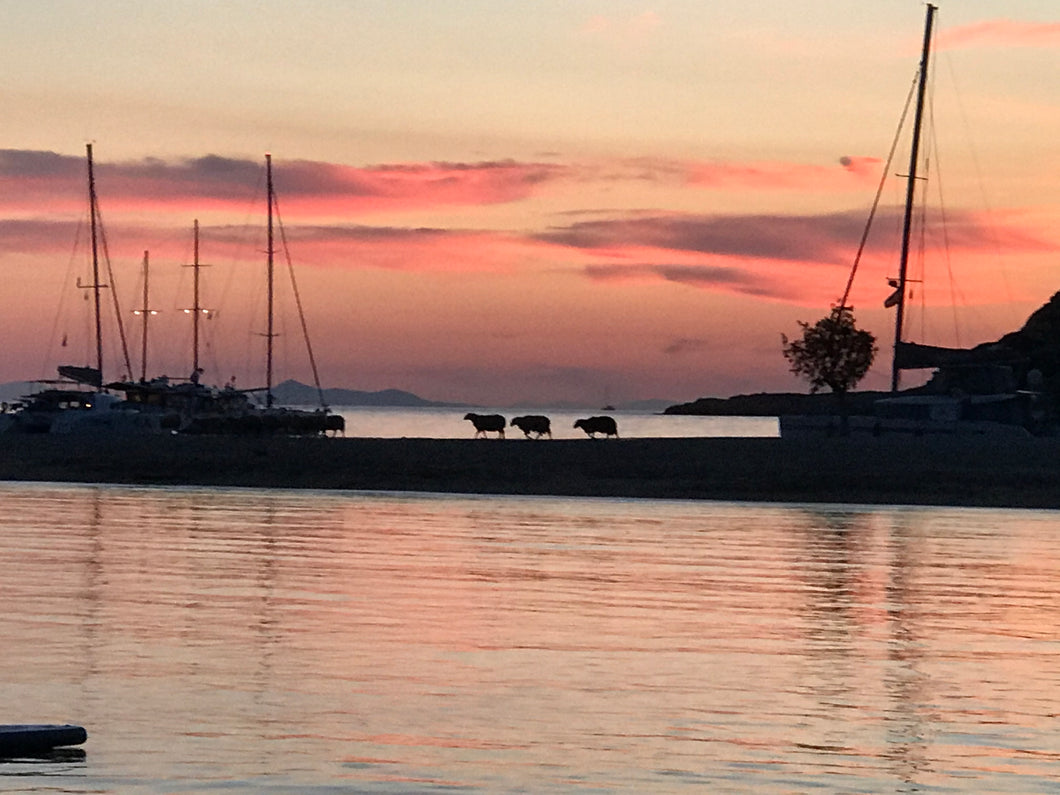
(892, 469)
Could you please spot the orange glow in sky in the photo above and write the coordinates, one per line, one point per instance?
(498, 204)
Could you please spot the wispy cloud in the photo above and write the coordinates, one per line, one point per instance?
(37, 236)
(851, 173)
(782, 256)
(729, 278)
(29, 176)
(685, 345)
(36, 181)
(1001, 33)
(823, 238)
(817, 238)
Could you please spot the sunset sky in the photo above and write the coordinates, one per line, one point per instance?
(505, 202)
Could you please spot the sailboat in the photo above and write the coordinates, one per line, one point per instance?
(82, 400)
(969, 385)
(227, 410)
(77, 401)
(972, 390)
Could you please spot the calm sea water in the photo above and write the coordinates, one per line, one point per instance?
(247, 641)
(449, 423)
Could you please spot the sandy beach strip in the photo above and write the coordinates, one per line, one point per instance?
(897, 470)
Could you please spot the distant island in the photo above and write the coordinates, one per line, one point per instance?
(778, 404)
(295, 393)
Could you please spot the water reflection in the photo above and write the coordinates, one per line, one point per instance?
(250, 640)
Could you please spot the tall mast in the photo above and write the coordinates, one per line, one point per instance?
(910, 192)
(145, 312)
(93, 211)
(195, 305)
(197, 311)
(269, 333)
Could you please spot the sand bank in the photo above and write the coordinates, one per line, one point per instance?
(887, 470)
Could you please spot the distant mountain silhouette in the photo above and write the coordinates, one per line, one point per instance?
(295, 393)
(776, 404)
(291, 393)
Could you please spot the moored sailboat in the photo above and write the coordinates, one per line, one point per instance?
(969, 385)
(987, 389)
(227, 410)
(82, 400)
(77, 401)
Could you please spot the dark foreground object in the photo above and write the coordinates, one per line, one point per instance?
(18, 740)
(891, 469)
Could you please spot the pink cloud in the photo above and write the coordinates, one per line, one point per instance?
(1001, 33)
(28, 177)
(780, 256)
(786, 258)
(817, 238)
(854, 172)
(821, 238)
(734, 277)
(191, 187)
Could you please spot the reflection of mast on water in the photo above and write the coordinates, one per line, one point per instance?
(909, 687)
(850, 559)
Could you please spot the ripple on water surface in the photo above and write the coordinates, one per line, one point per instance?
(263, 641)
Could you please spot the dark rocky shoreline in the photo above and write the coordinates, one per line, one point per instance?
(892, 469)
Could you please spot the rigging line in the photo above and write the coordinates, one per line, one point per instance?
(936, 152)
(298, 305)
(249, 237)
(879, 193)
(947, 249)
(61, 309)
(114, 297)
(991, 230)
(921, 243)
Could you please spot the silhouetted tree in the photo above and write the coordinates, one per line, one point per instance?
(832, 353)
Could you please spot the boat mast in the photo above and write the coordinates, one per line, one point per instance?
(269, 333)
(196, 308)
(145, 312)
(910, 192)
(195, 305)
(93, 211)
